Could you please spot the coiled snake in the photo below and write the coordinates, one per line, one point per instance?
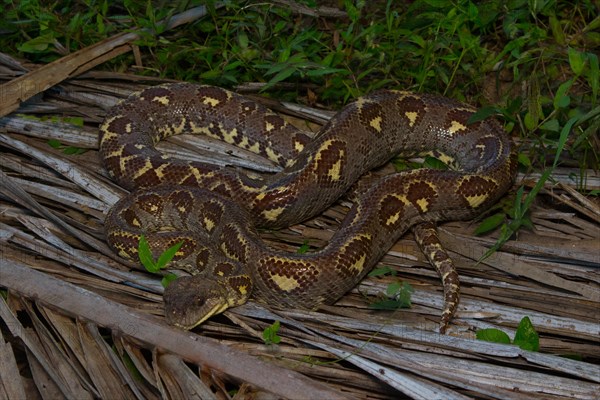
(215, 210)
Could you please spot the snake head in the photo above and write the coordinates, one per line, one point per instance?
(191, 300)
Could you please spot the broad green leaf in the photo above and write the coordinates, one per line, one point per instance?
(526, 336)
(557, 30)
(279, 26)
(404, 295)
(551, 125)
(282, 75)
(168, 255)
(490, 223)
(483, 113)
(434, 163)
(385, 305)
(167, 279)
(54, 143)
(562, 140)
(561, 99)
(212, 74)
(530, 121)
(393, 288)
(524, 160)
(326, 71)
(233, 65)
(303, 248)
(382, 271)
(576, 60)
(70, 150)
(243, 40)
(594, 75)
(270, 333)
(493, 335)
(38, 44)
(145, 255)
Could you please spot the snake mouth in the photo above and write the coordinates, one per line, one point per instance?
(217, 309)
(191, 300)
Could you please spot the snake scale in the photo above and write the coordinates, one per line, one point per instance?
(215, 210)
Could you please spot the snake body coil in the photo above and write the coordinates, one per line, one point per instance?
(215, 210)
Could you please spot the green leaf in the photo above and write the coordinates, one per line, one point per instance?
(524, 160)
(281, 75)
(557, 30)
(594, 76)
(403, 296)
(493, 335)
(270, 334)
(576, 60)
(401, 292)
(303, 248)
(243, 40)
(434, 163)
(490, 223)
(551, 125)
(167, 279)
(389, 305)
(279, 26)
(325, 71)
(70, 150)
(54, 143)
(168, 255)
(483, 113)
(561, 99)
(38, 44)
(530, 121)
(393, 288)
(145, 255)
(526, 336)
(564, 135)
(383, 271)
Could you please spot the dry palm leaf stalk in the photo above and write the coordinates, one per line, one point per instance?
(79, 323)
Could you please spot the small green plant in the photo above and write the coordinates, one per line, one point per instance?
(398, 293)
(526, 336)
(145, 256)
(519, 213)
(270, 334)
(303, 249)
(69, 150)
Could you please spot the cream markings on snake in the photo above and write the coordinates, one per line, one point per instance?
(229, 137)
(446, 159)
(475, 189)
(273, 214)
(356, 252)
(160, 170)
(391, 209)
(329, 161)
(271, 154)
(421, 194)
(255, 148)
(316, 172)
(121, 159)
(375, 123)
(285, 283)
(211, 101)
(412, 117)
(456, 127)
(163, 100)
(198, 129)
